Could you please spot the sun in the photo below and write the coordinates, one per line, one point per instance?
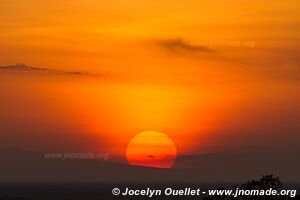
(151, 149)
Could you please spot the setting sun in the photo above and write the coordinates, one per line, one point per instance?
(151, 149)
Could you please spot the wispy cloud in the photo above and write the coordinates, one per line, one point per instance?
(82, 73)
(179, 44)
(23, 67)
(151, 156)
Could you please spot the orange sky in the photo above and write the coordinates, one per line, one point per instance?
(200, 71)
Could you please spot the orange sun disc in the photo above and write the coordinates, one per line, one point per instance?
(151, 149)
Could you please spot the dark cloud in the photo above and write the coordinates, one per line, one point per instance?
(151, 156)
(180, 44)
(23, 67)
(82, 73)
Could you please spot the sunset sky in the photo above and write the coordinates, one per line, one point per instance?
(215, 76)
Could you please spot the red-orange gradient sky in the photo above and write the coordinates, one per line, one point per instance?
(216, 76)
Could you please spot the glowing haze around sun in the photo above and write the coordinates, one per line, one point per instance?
(151, 149)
